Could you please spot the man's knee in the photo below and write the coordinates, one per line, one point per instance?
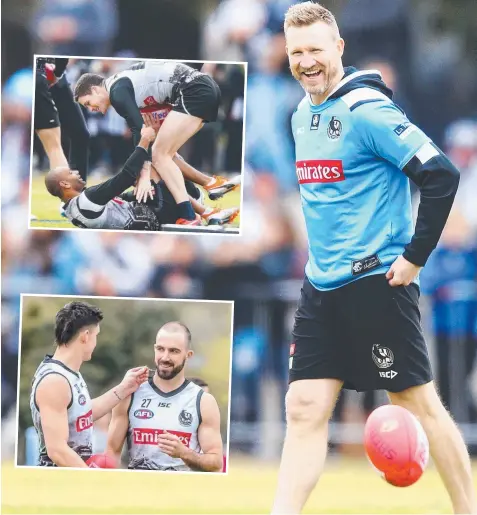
(305, 407)
(163, 149)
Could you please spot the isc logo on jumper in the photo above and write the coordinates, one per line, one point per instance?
(317, 170)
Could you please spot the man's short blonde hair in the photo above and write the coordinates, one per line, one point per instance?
(307, 13)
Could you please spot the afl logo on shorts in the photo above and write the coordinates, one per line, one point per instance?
(382, 356)
(82, 400)
(185, 418)
(334, 128)
(143, 413)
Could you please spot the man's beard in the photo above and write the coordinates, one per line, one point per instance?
(170, 373)
(328, 76)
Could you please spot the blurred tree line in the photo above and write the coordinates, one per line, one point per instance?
(126, 340)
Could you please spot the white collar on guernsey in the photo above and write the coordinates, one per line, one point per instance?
(344, 81)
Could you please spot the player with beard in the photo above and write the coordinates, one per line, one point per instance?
(62, 409)
(357, 325)
(170, 422)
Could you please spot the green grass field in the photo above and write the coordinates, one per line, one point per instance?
(47, 208)
(348, 486)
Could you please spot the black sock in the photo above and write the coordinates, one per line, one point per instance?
(186, 211)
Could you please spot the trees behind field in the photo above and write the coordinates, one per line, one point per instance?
(126, 340)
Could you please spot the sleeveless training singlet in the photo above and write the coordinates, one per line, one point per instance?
(80, 414)
(156, 84)
(152, 412)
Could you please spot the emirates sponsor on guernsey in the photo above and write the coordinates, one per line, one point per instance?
(318, 170)
(145, 436)
(84, 422)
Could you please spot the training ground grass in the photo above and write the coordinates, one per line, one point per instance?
(347, 486)
(47, 208)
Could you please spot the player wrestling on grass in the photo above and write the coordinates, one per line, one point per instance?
(358, 324)
(62, 409)
(170, 422)
(192, 97)
(106, 206)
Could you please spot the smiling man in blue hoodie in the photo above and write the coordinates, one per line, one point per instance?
(357, 325)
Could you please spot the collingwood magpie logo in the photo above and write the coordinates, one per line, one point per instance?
(382, 356)
(334, 128)
(185, 418)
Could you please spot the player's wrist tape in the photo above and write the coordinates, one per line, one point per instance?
(116, 393)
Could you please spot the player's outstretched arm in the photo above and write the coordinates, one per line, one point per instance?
(118, 428)
(53, 396)
(131, 382)
(102, 193)
(209, 437)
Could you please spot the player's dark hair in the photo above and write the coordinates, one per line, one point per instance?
(72, 318)
(85, 83)
(171, 325)
(199, 382)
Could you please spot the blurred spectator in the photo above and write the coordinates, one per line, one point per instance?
(271, 99)
(461, 147)
(104, 263)
(390, 78)
(230, 29)
(450, 279)
(371, 25)
(75, 27)
(16, 117)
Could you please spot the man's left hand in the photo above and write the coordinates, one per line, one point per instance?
(402, 272)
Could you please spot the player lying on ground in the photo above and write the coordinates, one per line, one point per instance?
(357, 324)
(106, 206)
(146, 86)
(62, 409)
(170, 422)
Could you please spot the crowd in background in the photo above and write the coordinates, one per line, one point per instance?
(423, 52)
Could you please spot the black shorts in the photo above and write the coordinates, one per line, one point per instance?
(367, 334)
(163, 203)
(46, 113)
(199, 97)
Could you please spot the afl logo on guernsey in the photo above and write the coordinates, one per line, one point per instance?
(82, 400)
(143, 413)
(317, 170)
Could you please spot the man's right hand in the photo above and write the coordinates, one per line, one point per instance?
(148, 133)
(133, 379)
